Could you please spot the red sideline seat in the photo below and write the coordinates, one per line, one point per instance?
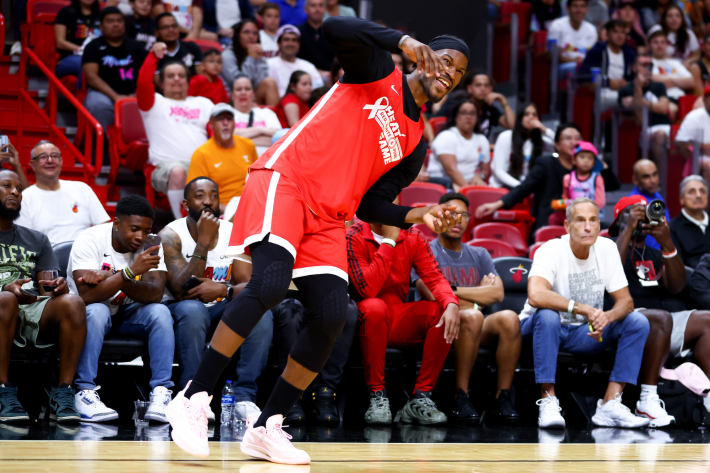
(205, 44)
(502, 232)
(421, 192)
(520, 219)
(128, 144)
(38, 32)
(496, 248)
(685, 106)
(429, 234)
(604, 233)
(533, 249)
(478, 195)
(549, 232)
(437, 123)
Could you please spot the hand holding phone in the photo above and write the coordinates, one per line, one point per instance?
(152, 240)
(191, 283)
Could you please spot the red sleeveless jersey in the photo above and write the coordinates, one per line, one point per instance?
(351, 137)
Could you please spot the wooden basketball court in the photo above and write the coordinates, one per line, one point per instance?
(137, 457)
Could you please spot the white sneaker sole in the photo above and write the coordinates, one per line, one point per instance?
(157, 417)
(603, 421)
(105, 418)
(184, 444)
(658, 422)
(262, 453)
(555, 424)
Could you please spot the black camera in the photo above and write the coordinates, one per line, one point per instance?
(655, 213)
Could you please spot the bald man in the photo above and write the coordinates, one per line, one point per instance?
(646, 185)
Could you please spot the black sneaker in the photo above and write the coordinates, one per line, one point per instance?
(463, 410)
(61, 404)
(325, 406)
(10, 408)
(502, 411)
(296, 415)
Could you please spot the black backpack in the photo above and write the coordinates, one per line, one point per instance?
(683, 404)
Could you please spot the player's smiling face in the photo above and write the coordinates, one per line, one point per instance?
(437, 87)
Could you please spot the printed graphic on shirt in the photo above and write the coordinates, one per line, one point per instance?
(568, 49)
(464, 277)
(125, 72)
(182, 14)
(219, 273)
(83, 31)
(666, 70)
(382, 112)
(185, 112)
(582, 289)
(645, 270)
(75, 209)
(121, 297)
(12, 258)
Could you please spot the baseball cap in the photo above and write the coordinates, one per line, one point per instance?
(221, 108)
(585, 146)
(691, 376)
(287, 29)
(620, 206)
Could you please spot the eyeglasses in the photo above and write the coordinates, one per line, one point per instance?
(464, 215)
(42, 158)
(169, 27)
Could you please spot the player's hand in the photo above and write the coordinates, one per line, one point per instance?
(451, 320)
(484, 210)
(95, 276)
(15, 289)
(428, 62)
(441, 217)
(159, 49)
(144, 262)
(207, 228)
(208, 291)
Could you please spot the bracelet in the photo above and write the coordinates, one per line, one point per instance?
(389, 241)
(570, 307)
(401, 40)
(671, 255)
(475, 306)
(129, 273)
(124, 274)
(195, 255)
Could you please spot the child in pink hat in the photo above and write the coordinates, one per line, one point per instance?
(583, 181)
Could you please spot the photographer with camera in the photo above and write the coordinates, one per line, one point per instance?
(655, 276)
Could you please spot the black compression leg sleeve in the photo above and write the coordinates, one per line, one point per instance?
(211, 366)
(282, 399)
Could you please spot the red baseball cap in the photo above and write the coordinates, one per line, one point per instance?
(620, 206)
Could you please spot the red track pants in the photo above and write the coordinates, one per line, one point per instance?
(398, 326)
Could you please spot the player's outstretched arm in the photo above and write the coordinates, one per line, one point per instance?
(438, 217)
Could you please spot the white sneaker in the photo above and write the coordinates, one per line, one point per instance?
(244, 409)
(655, 410)
(159, 399)
(91, 408)
(272, 443)
(615, 414)
(16, 49)
(210, 415)
(550, 417)
(188, 418)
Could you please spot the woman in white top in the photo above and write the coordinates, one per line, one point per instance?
(682, 42)
(516, 150)
(257, 124)
(460, 153)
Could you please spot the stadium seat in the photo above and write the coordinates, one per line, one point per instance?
(496, 248)
(437, 123)
(205, 44)
(61, 253)
(479, 195)
(513, 271)
(128, 144)
(503, 232)
(38, 32)
(685, 106)
(533, 249)
(549, 232)
(421, 192)
(429, 234)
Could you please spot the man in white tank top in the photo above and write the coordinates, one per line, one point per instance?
(196, 246)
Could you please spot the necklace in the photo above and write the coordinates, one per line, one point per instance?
(446, 252)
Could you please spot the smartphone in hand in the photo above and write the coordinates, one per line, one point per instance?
(152, 240)
(191, 283)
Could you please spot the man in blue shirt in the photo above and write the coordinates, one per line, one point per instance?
(646, 185)
(293, 12)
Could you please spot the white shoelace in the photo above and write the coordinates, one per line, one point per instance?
(163, 398)
(617, 405)
(277, 435)
(93, 396)
(549, 403)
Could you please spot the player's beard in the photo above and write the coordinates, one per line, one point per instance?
(7, 213)
(428, 85)
(196, 214)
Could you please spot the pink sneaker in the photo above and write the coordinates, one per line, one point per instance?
(271, 443)
(188, 417)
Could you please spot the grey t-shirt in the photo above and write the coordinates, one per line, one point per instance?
(463, 268)
(23, 252)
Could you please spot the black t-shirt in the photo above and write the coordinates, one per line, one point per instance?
(141, 29)
(653, 91)
(314, 48)
(634, 39)
(647, 263)
(118, 66)
(189, 53)
(24, 252)
(78, 26)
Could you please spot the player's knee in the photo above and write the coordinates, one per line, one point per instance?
(372, 309)
(334, 313)
(274, 284)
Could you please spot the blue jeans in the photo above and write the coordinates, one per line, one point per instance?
(69, 66)
(549, 336)
(192, 322)
(139, 320)
(567, 69)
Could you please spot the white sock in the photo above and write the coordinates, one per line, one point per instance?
(646, 391)
(175, 197)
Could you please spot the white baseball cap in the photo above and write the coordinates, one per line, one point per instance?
(221, 108)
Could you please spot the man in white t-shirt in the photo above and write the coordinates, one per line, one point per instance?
(670, 71)
(696, 128)
(564, 312)
(574, 36)
(176, 125)
(122, 284)
(281, 67)
(256, 123)
(270, 14)
(59, 209)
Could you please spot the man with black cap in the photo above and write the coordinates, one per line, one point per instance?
(354, 151)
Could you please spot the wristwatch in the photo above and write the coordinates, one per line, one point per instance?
(230, 292)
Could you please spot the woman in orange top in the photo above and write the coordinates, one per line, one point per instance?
(294, 105)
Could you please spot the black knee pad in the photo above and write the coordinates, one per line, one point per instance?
(274, 284)
(334, 313)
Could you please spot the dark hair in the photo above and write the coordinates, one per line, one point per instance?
(451, 121)
(615, 23)
(268, 6)
(520, 136)
(469, 76)
(682, 38)
(189, 185)
(448, 197)
(562, 127)
(335, 68)
(655, 34)
(161, 74)
(210, 52)
(109, 11)
(134, 204)
(570, 2)
(161, 16)
(240, 52)
(293, 81)
(95, 8)
(317, 94)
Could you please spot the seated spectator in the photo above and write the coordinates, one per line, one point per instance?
(615, 60)
(209, 84)
(39, 320)
(256, 123)
(60, 209)
(646, 185)
(597, 13)
(189, 16)
(574, 35)
(122, 284)
(643, 92)
(380, 260)
(700, 295)
(314, 48)
(270, 15)
(286, 63)
(670, 71)
(195, 246)
(227, 14)
(139, 24)
(246, 57)
(655, 276)
(652, 11)
(517, 150)
(225, 158)
(295, 104)
(470, 271)
(700, 68)
(186, 52)
(461, 154)
(689, 229)
(682, 42)
(626, 12)
(695, 127)
(334, 8)
(110, 63)
(543, 13)
(564, 312)
(583, 181)
(73, 25)
(293, 12)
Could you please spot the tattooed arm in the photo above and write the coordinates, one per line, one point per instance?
(179, 270)
(149, 289)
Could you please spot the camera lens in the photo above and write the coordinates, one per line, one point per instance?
(656, 210)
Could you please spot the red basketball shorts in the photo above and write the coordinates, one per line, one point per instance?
(273, 205)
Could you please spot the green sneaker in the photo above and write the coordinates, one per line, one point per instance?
(10, 407)
(61, 404)
(422, 410)
(379, 410)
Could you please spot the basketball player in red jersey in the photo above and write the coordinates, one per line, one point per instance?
(354, 152)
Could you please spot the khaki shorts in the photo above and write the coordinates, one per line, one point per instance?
(161, 174)
(28, 328)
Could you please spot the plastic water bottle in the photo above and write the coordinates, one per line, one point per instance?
(228, 401)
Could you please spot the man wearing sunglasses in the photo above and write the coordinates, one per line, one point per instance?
(60, 209)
